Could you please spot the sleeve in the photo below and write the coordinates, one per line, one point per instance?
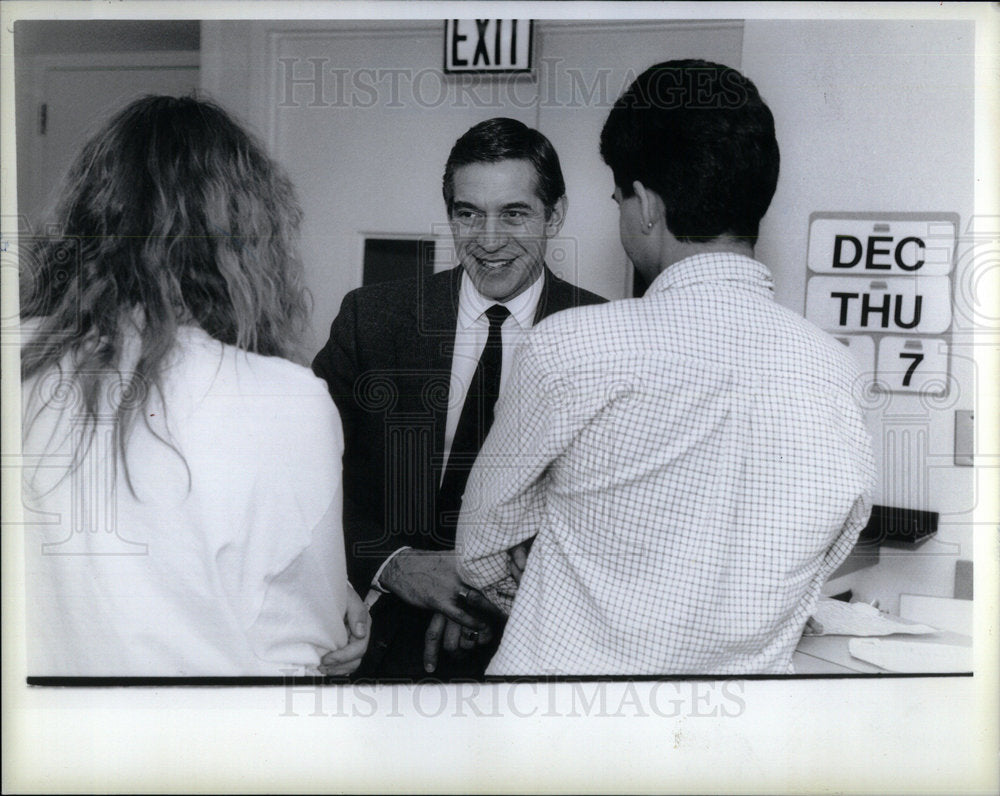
(302, 615)
(859, 480)
(296, 544)
(534, 424)
(337, 363)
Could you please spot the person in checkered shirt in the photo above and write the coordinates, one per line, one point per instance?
(689, 467)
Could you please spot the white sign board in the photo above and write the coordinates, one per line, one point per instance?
(873, 248)
(881, 283)
(913, 364)
(863, 349)
(487, 45)
(898, 304)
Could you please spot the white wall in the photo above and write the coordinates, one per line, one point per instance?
(878, 116)
(592, 64)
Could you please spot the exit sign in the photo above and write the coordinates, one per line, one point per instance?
(487, 45)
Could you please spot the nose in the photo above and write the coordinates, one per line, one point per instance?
(492, 236)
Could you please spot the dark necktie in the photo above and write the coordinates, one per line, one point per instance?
(473, 426)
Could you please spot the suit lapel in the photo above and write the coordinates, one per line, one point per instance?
(425, 347)
(551, 300)
(427, 339)
(425, 344)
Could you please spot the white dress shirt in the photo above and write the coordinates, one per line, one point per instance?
(471, 333)
(693, 465)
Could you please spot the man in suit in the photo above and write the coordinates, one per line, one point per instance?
(414, 367)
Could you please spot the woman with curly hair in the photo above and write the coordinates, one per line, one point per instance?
(183, 475)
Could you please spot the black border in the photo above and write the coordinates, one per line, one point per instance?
(127, 682)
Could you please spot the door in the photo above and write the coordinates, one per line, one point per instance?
(68, 98)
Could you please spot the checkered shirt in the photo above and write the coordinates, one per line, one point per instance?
(692, 466)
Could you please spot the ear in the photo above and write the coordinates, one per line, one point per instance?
(555, 220)
(650, 206)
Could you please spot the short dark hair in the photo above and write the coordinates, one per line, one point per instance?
(506, 139)
(700, 136)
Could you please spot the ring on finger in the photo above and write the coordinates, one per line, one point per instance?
(463, 594)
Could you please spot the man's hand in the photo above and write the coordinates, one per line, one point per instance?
(455, 639)
(517, 559)
(429, 579)
(345, 660)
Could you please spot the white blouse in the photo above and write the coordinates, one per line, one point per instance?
(227, 560)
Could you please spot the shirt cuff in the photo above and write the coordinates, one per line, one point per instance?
(377, 580)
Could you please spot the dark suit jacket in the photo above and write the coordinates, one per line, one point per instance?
(388, 366)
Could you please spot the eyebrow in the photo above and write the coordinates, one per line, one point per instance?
(460, 205)
(517, 206)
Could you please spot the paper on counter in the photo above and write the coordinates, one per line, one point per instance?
(838, 618)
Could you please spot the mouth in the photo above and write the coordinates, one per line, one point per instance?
(494, 264)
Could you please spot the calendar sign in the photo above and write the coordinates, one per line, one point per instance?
(882, 284)
(878, 247)
(895, 304)
(913, 364)
(863, 349)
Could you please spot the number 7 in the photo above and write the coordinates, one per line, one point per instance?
(917, 359)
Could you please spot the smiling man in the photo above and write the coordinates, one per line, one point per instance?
(415, 367)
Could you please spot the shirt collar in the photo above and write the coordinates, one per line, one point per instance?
(715, 267)
(472, 304)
